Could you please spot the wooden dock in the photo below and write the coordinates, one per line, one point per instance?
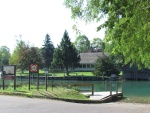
(104, 96)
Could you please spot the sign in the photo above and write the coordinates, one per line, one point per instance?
(8, 77)
(34, 68)
(8, 72)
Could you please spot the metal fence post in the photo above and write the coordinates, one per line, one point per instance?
(116, 87)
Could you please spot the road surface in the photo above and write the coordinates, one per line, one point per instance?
(14, 104)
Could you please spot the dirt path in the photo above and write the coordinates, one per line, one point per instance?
(13, 104)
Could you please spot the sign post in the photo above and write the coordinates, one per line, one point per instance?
(9, 73)
(46, 73)
(34, 68)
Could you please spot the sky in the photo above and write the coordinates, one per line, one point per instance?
(33, 19)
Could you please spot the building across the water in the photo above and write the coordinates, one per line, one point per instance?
(88, 60)
(133, 73)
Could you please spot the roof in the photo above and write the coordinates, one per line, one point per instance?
(91, 57)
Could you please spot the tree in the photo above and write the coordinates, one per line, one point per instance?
(105, 67)
(117, 58)
(97, 43)
(66, 54)
(75, 56)
(82, 43)
(4, 55)
(127, 24)
(57, 62)
(47, 51)
(20, 55)
(35, 55)
(23, 55)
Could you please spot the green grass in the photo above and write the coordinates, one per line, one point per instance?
(57, 92)
(57, 74)
(73, 74)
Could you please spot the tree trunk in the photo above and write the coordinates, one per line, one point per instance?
(22, 71)
(67, 71)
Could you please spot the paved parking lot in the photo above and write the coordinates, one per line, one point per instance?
(14, 104)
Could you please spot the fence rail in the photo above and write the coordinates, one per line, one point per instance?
(82, 85)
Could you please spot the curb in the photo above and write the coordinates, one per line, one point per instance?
(53, 98)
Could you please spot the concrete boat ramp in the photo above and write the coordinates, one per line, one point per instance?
(103, 96)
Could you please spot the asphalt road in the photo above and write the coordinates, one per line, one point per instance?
(14, 104)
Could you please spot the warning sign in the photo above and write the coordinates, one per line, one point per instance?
(34, 68)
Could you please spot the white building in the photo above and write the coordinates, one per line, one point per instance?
(88, 60)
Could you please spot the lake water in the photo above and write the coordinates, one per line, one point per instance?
(130, 88)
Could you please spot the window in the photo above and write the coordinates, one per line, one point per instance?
(88, 65)
(80, 66)
(84, 65)
(92, 65)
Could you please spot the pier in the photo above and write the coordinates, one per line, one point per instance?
(108, 95)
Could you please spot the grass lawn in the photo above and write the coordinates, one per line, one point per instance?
(57, 74)
(57, 92)
(74, 73)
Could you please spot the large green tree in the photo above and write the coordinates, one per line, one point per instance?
(105, 67)
(82, 43)
(118, 58)
(4, 55)
(66, 54)
(20, 56)
(23, 55)
(127, 24)
(47, 51)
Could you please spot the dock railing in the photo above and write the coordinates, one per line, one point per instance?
(83, 85)
(111, 85)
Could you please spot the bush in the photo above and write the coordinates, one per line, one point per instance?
(105, 67)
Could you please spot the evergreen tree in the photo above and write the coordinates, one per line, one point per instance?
(66, 54)
(47, 51)
(57, 59)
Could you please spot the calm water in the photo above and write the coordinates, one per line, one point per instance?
(137, 88)
(131, 88)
